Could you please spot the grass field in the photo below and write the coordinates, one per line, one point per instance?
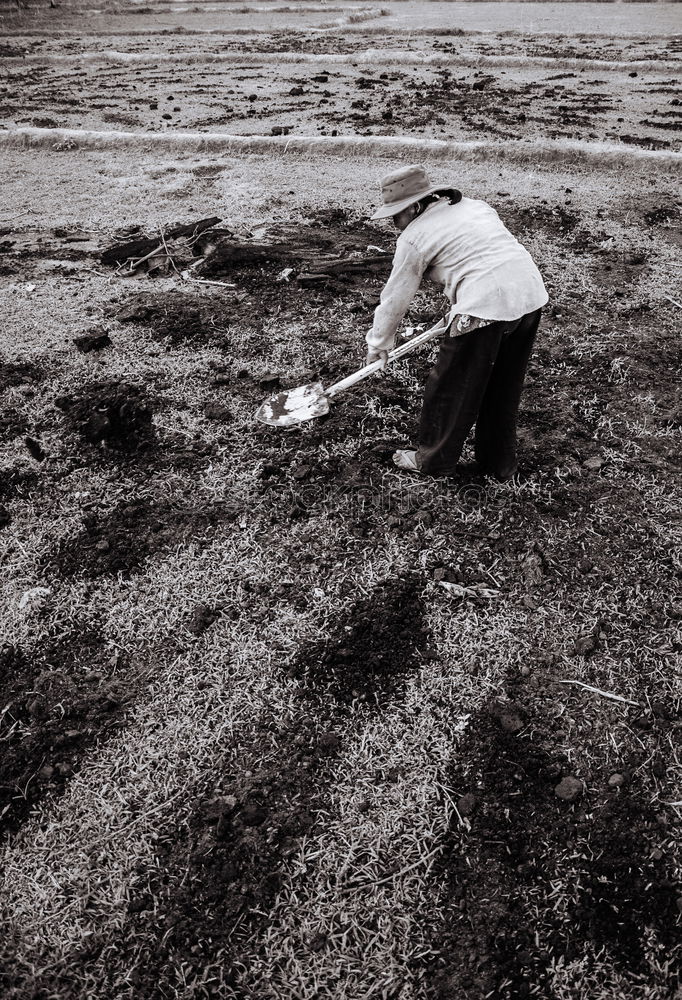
(279, 721)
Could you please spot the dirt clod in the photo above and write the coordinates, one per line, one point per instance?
(94, 340)
(114, 413)
(569, 789)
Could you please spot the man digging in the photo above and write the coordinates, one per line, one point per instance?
(496, 294)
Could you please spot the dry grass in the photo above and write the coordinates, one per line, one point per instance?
(367, 57)
(572, 152)
(363, 900)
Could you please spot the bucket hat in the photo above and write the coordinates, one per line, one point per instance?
(405, 186)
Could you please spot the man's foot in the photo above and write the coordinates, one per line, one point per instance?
(407, 460)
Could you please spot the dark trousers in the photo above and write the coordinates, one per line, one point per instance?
(478, 379)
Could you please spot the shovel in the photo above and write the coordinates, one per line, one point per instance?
(293, 406)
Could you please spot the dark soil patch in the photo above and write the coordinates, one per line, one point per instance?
(114, 414)
(13, 422)
(181, 318)
(60, 699)
(18, 372)
(219, 878)
(233, 856)
(554, 220)
(122, 539)
(373, 650)
(325, 257)
(523, 839)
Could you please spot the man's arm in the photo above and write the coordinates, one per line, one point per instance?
(400, 289)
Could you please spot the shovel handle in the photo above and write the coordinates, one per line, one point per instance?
(410, 345)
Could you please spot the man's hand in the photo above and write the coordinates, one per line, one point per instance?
(373, 355)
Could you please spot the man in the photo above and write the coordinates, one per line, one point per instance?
(496, 295)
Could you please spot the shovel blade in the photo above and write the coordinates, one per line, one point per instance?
(293, 406)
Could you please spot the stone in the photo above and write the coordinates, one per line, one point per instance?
(466, 804)
(569, 789)
(511, 722)
(94, 340)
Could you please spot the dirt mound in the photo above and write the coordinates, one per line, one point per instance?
(116, 414)
(373, 649)
(60, 699)
(180, 318)
(17, 372)
(324, 257)
(523, 839)
(232, 858)
(216, 881)
(122, 539)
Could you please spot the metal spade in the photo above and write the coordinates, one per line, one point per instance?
(293, 406)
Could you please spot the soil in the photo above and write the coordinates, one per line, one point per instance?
(112, 413)
(60, 699)
(222, 873)
(359, 95)
(121, 539)
(564, 846)
(515, 840)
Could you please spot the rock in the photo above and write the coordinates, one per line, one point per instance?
(616, 780)
(94, 340)
(586, 644)
(569, 789)
(511, 722)
(593, 464)
(300, 471)
(46, 773)
(218, 411)
(271, 380)
(296, 91)
(134, 312)
(34, 449)
(317, 942)
(466, 804)
(64, 769)
(103, 545)
(36, 709)
(280, 130)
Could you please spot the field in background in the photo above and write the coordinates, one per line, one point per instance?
(277, 720)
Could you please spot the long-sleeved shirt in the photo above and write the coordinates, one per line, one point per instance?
(466, 248)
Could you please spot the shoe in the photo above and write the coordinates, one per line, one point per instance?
(406, 459)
